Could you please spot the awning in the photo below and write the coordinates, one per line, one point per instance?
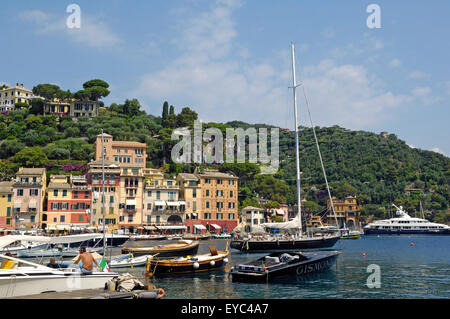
(182, 202)
(194, 214)
(160, 203)
(172, 227)
(76, 228)
(199, 227)
(131, 202)
(17, 204)
(32, 204)
(51, 228)
(151, 227)
(62, 227)
(173, 203)
(216, 226)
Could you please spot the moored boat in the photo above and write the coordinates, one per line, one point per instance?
(148, 237)
(196, 236)
(189, 264)
(284, 263)
(128, 261)
(179, 249)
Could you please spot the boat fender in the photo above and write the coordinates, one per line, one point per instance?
(212, 263)
(225, 260)
(148, 295)
(196, 265)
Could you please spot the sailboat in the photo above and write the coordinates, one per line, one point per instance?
(298, 240)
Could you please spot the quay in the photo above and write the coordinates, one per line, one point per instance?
(93, 294)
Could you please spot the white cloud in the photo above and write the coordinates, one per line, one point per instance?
(221, 86)
(421, 91)
(93, 32)
(418, 75)
(395, 63)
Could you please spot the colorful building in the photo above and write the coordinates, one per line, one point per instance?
(93, 174)
(29, 191)
(251, 217)
(73, 108)
(123, 153)
(191, 195)
(347, 211)
(130, 198)
(68, 204)
(6, 205)
(162, 207)
(15, 94)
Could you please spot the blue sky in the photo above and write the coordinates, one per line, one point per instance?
(230, 59)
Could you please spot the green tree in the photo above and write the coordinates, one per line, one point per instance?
(186, 117)
(47, 91)
(31, 157)
(165, 112)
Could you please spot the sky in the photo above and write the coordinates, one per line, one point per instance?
(230, 59)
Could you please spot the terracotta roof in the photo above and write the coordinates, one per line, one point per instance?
(31, 171)
(248, 208)
(210, 173)
(59, 185)
(6, 187)
(104, 135)
(188, 177)
(99, 162)
(128, 144)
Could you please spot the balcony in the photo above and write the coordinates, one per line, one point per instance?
(19, 183)
(81, 188)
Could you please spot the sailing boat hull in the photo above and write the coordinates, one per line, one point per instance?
(274, 245)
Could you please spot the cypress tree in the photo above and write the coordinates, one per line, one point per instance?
(165, 112)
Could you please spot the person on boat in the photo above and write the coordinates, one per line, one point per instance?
(87, 261)
(52, 263)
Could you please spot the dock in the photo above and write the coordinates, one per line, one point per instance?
(85, 294)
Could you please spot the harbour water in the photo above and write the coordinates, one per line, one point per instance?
(410, 267)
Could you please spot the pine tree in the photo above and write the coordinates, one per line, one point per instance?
(165, 112)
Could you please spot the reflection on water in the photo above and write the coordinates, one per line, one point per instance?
(419, 271)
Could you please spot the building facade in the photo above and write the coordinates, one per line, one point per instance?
(73, 108)
(347, 211)
(29, 191)
(93, 174)
(6, 205)
(191, 195)
(12, 95)
(123, 153)
(162, 207)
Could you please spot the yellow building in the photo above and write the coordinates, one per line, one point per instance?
(347, 211)
(130, 198)
(15, 94)
(162, 207)
(191, 195)
(6, 205)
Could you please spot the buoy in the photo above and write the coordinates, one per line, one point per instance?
(412, 244)
(212, 263)
(196, 265)
(225, 260)
(364, 254)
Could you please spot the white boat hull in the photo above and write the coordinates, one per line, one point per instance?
(17, 286)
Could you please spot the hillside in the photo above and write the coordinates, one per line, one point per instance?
(379, 170)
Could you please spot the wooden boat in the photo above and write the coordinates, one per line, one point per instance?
(148, 237)
(284, 263)
(128, 261)
(189, 264)
(196, 237)
(181, 248)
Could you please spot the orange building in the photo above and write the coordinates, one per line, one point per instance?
(123, 153)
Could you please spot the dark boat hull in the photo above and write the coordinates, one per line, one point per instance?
(313, 243)
(170, 269)
(404, 232)
(324, 262)
(111, 242)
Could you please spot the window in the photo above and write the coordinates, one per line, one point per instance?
(219, 215)
(207, 192)
(207, 181)
(149, 206)
(54, 206)
(230, 216)
(111, 210)
(149, 193)
(219, 181)
(62, 218)
(32, 219)
(207, 215)
(64, 206)
(8, 211)
(130, 218)
(230, 182)
(111, 199)
(158, 194)
(158, 219)
(194, 206)
(207, 204)
(194, 193)
(20, 192)
(231, 193)
(55, 192)
(149, 219)
(64, 192)
(33, 192)
(75, 194)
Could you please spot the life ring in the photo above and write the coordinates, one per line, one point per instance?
(160, 292)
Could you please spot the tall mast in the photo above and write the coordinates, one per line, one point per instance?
(297, 159)
(103, 196)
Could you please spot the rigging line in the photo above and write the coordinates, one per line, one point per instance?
(320, 155)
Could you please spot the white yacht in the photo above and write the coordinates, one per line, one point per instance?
(19, 277)
(405, 224)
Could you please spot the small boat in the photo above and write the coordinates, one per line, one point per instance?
(189, 264)
(196, 236)
(284, 263)
(36, 253)
(181, 248)
(221, 236)
(148, 237)
(128, 261)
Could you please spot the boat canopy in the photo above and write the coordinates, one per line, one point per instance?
(293, 224)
